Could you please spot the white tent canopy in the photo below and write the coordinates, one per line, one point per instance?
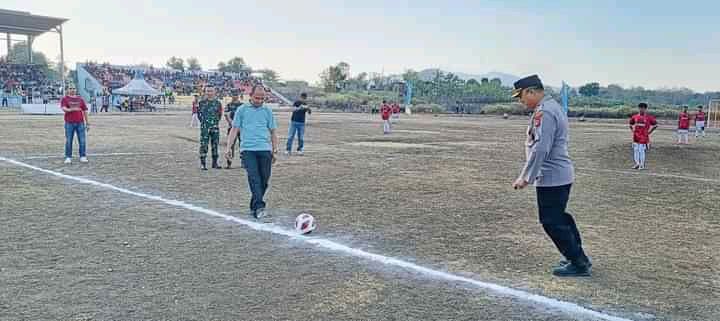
(137, 87)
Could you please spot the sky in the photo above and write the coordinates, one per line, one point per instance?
(654, 44)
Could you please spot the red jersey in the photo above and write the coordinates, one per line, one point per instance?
(74, 102)
(700, 116)
(684, 121)
(641, 130)
(194, 107)
(396, 109)
(385, 110)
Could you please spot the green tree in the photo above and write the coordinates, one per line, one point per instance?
(18, 55)
(236, 65)
(193, 64)
(269, 75)
(590, 90)
(175, 63)
(333, 78)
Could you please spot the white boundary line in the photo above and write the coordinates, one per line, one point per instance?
(100, 155)
(566, 307)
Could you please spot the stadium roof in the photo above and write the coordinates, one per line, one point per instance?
(24, 23)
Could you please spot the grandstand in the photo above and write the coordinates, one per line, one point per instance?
(24, 83)
(96, 79)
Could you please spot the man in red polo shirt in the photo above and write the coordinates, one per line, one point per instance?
(683, 126)
(642, 125)
(76, 122)
(385, 112)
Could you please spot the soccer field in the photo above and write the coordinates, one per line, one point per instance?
(141, 233)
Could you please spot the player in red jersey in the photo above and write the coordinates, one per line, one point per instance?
(700, 122)
(642, 126)
(386, 112)
(683, 126)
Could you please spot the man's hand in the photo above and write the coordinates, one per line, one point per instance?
(274, 157)
(87, 127)
(520, 183)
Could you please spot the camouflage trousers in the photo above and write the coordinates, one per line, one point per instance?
(211, 135)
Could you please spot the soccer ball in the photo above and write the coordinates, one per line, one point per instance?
(506, 116)
(305, 223)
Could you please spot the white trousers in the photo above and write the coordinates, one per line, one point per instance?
(386, 127)
(639, 150)
(194, 121)
(699, 128)
(683, 136)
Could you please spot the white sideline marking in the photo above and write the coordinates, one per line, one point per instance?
(690, 178)
(100, 155)
(566, 307)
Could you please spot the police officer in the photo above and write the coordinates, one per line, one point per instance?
(209, 113)
(229, 116)
(550, 169)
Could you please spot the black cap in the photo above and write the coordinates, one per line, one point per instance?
(525, 83)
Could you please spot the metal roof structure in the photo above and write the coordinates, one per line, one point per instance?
(25, 23)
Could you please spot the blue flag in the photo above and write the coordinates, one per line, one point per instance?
(564, 93)
(408, 92)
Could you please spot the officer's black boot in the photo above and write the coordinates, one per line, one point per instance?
(215, 163)
(203, 165)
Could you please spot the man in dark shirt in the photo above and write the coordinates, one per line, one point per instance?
(229, 116)
(297, 124)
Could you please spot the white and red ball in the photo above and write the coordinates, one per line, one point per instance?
(305, 223)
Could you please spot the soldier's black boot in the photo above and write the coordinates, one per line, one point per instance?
(215, 163)
(203, 166)
(229, 164)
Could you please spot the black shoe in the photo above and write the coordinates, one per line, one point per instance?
(260, 213)
(572, 270)
(561, 263)
(203, 165)
(215, 164)
(229, 164)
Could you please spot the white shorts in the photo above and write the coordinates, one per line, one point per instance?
(683, 131)
(700, 124)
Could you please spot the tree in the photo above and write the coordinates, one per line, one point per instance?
(236, 65)
(411, 76)
(175, 63)
(496, 82)
(472, 82)
(484, 80)
(344, 69)
(193, 64)
(19, 55)
(334, 78)
(269, 75)
(590, 90)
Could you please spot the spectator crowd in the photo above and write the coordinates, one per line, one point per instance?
(177, 83)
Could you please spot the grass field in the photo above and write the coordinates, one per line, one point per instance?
(435, 193)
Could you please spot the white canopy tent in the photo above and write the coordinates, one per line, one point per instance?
(137, 87)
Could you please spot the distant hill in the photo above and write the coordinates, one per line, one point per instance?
(507, 79)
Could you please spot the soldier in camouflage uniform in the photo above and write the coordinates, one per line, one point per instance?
(229, 116)
(209, 113)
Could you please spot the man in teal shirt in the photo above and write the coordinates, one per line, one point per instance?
(259, 145)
